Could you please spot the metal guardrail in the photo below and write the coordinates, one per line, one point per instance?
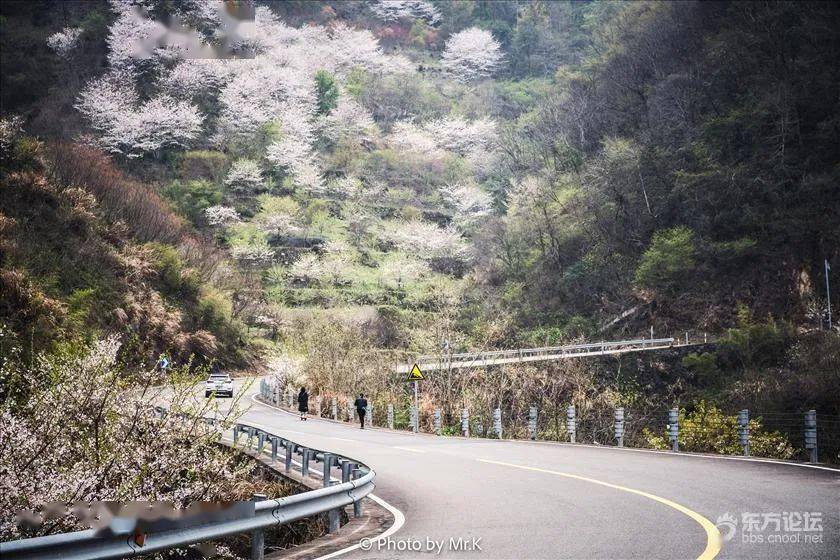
(356, 483)
(465, 359)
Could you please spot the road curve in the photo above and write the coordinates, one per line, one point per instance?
(545, 500)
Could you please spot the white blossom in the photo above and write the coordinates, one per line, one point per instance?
(245, 177)
(428, 241)
(392, 10)
(461, 136)
(472, 54)
(470, 203)
(65, 40)
(221, 215)
(399, 269)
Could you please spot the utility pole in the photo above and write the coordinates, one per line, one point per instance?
(828, 293)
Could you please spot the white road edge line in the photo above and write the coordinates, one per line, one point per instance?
(408, 449)
(399, 518)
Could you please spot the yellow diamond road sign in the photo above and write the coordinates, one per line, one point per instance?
(415, 374)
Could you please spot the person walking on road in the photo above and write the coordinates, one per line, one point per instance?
(361, 409)
(303, 403)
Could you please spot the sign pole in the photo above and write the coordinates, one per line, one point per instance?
(416, 406)
(828, 293)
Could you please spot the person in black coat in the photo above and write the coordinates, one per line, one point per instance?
(303, 403)
(361, 408)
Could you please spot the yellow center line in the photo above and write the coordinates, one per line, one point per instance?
(713, 538)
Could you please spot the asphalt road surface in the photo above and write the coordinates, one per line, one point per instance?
(521, 500)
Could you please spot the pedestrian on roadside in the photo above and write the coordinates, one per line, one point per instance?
(361, 409)
(303, 403)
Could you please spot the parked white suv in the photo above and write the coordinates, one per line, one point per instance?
(220, 384)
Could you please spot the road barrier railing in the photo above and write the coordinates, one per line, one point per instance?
(464, 359)
(355, 482)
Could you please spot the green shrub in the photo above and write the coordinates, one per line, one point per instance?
(192, 197)
(326, 91)
(703, 366)
(708, 430)
(202, 165)
(669, 257)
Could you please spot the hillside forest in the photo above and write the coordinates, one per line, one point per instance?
(320, 190)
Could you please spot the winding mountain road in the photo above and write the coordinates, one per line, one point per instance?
(548, 500)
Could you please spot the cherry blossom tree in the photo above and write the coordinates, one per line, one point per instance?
(462, 136)
(472, 54)
(64, 41)
(221, 215)
(245, 178)
(393, 10)
(410, 138)
(443, 248)
(470, 203)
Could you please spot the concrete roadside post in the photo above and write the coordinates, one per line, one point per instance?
(437, 421)
(318, 400)
(811, 434)
(350, 409)
(390, 417)
(465, 422)
(674, 428)
(290, 396)
(334, 406)
(619, 426)
(744, 430)
(532, 423)
(415, 420)
(258, 536)
(369, 414)
(571, 424)
(497, 422)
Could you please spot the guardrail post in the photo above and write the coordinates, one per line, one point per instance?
(497, 422)
(334, 409)
(437, 421)
(571, 426)
(465, 422)
(334, 514)
(674, 428)
(274, 448)
(532, 423)
(357, 505)
(260, 441)
(346, 469)
(811, 434)
(744, 430)
(318, 406)
(304, 462)
(619, 426)
(251, 433)
(258, 536)
(328, 460)
(235, 434)
(390, 417)
(289, 449)
(415, 423)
